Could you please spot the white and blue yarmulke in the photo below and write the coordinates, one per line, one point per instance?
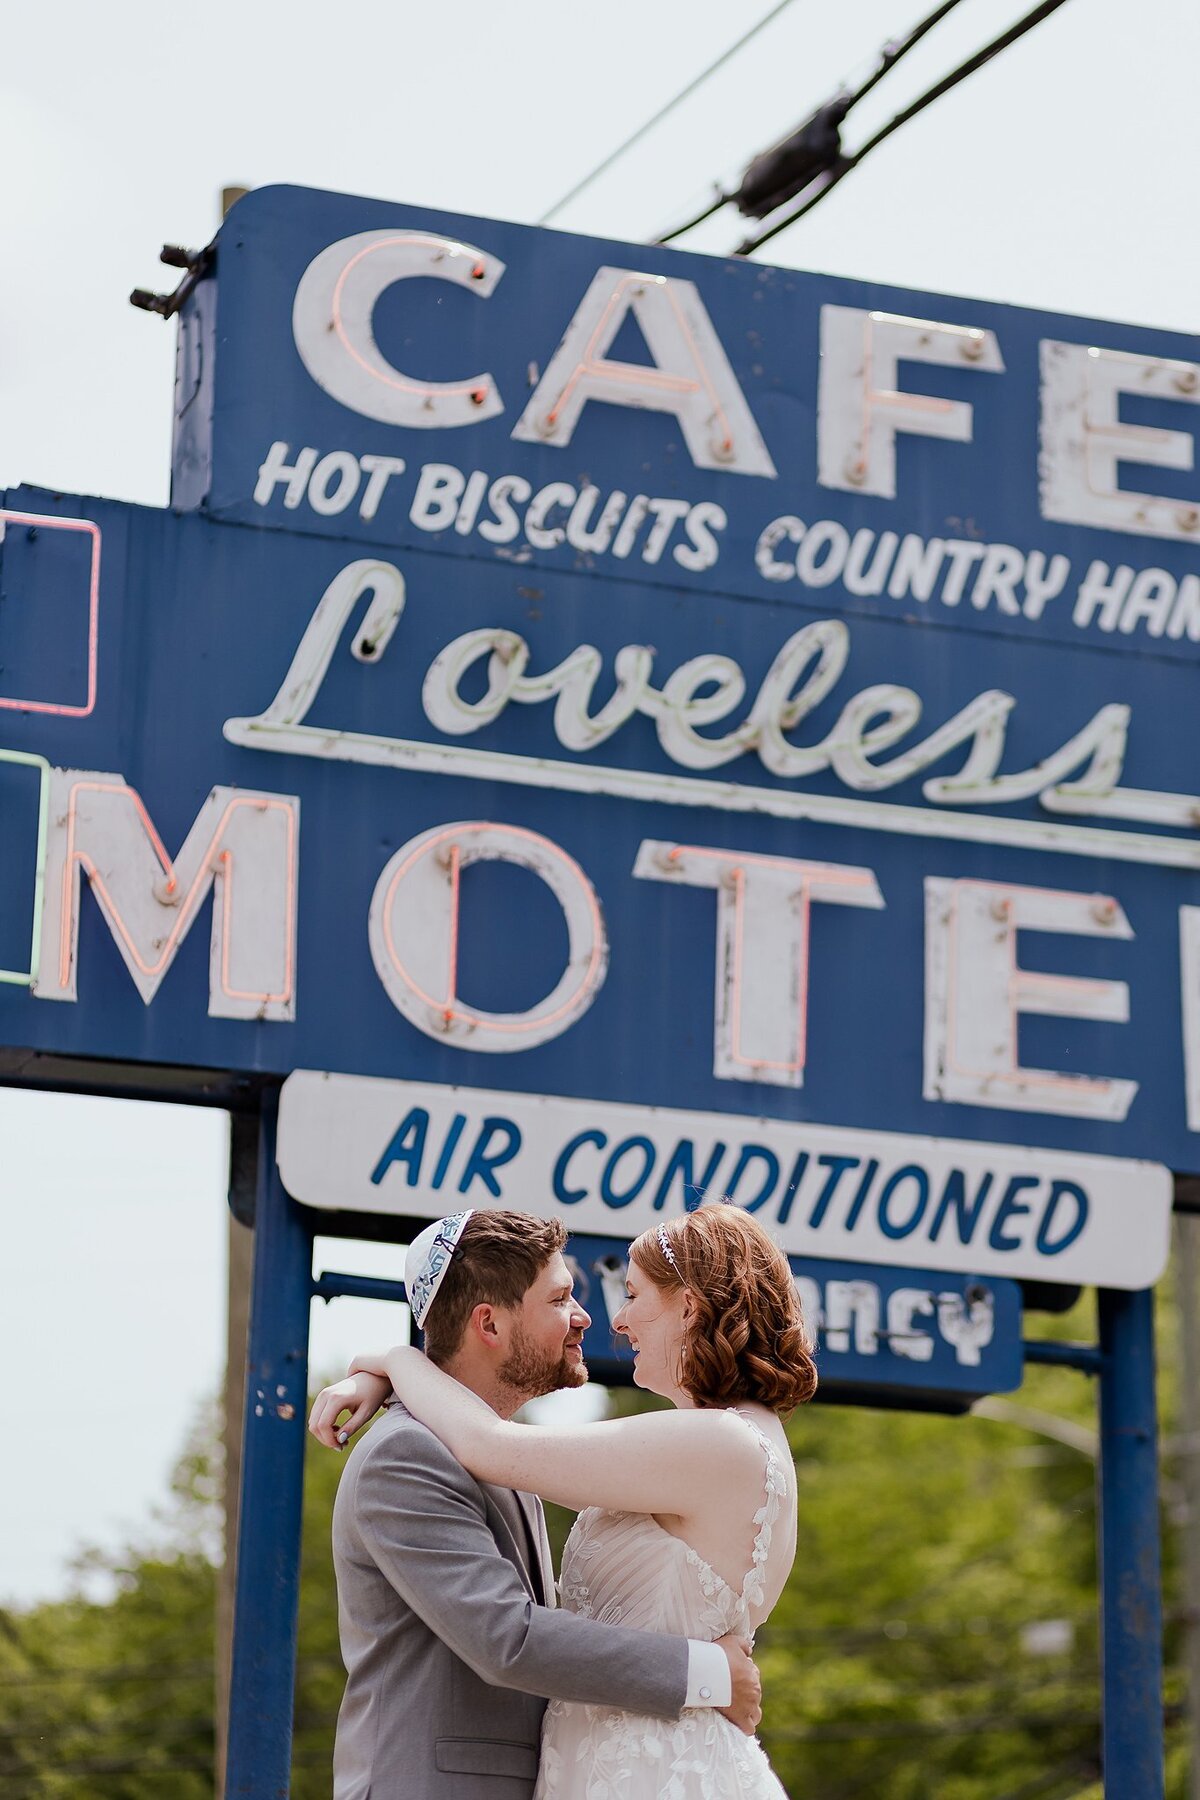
(429, 1256)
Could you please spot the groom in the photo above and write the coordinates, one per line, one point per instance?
(446, 1606)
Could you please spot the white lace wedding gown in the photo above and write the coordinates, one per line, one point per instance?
(625, 1569)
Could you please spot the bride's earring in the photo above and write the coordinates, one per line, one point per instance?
(688, 1319)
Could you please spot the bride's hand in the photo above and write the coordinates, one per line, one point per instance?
(361, 1395)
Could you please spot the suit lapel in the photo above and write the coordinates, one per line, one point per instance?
(542, 1539)
(535, 1520)
(513, 1520)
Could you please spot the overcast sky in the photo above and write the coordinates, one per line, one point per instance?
(1062, 176)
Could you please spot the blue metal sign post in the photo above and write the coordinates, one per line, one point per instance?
(1130, 1585)
(604, 727)
(259, 1756)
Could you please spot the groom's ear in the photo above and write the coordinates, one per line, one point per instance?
(485, 1326)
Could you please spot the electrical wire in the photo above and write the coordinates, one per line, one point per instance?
(891, 53)
(720, 199)
(889, 56)
(952, 80)
(613, 156)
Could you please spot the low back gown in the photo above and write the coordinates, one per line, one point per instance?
(626, 1569)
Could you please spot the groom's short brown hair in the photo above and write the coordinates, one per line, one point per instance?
(496, 1261)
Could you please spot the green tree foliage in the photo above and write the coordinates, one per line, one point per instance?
(937, 1641)
(115, 1699)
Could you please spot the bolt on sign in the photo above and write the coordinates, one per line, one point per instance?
(625, 726)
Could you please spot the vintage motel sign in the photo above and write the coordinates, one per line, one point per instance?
(755, 706)
(752, 706)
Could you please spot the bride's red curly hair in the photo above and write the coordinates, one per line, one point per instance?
(746, 1339)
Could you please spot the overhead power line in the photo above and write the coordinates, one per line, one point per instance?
(775, 175)
(613, 156)
(838, 165)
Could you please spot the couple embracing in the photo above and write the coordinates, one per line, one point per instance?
(686, 1532)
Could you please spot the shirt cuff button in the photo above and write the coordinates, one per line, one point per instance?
(706, 1693)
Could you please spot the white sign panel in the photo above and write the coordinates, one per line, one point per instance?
(349, 1143)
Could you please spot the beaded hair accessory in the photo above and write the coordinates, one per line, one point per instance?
(664, 1244)
(429, 1257)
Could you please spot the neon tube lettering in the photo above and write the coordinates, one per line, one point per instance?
(805, 670)
(975, 992)
(691, 376)
(413, 933)
(65, 709)
(761, 1008)
(331, 323)
(1084, 440)
(860, 406)
(243, 846)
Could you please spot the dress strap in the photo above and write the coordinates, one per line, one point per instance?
(775, 1484)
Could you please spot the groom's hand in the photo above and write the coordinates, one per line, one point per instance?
(745, 1708)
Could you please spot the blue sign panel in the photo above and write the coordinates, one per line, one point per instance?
(878, 1332)
(593, 671)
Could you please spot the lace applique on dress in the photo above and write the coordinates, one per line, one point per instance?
(765, 1519)
(626, 1567)
(573, 1591)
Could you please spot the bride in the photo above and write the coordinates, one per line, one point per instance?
(686, 1518)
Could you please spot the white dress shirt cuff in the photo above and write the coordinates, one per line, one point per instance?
(709, 1681)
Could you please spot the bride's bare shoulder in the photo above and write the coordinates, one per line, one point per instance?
(720, 1429)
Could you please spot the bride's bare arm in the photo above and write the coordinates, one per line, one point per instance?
(662, 1462)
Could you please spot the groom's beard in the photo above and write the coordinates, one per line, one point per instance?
(531, 1371)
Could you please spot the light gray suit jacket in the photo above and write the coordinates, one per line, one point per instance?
(449, 1633)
